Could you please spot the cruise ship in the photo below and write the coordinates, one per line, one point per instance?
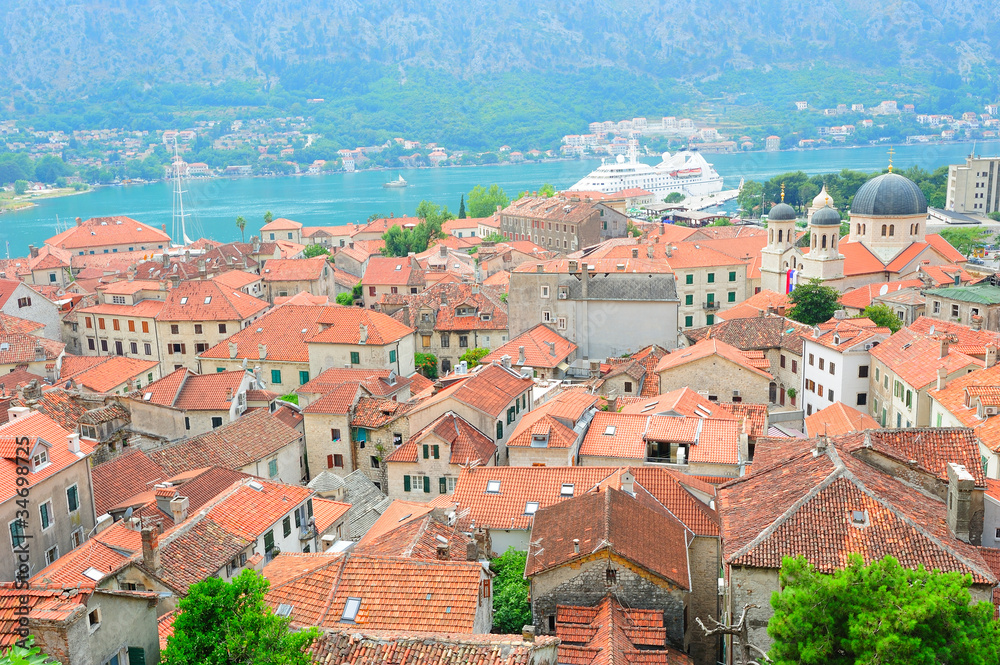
(684, 172)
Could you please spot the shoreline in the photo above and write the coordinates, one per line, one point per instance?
(30, 202)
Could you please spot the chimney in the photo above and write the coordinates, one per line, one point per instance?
(635, 252)
(552, 348)
(528, 632)
(79, 222)
(33, 251)
(539, 267)
(179, 509)
(229, 394)
(73, 443)
(520, 356)
(573, 266)
(960, 486)
(362, 334)
(840, 314)
(943, 348)
(232, 350)
(991, 355)
(474, 289)
(821, 444)
(443, 250)
(15, 412)
(471, 551)
(262, 351)
(165, 258)
(649, 251)
(201, 268)
(576, 546)
(257, 375)
(628, 483)
(505, 361)
(443, 551)
(976, 323)
(668, 250)
(584, 280)
(942, 378)
(150, 548)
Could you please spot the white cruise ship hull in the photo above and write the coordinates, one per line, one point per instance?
(685, 172)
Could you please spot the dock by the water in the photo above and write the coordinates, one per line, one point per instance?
(703, 202)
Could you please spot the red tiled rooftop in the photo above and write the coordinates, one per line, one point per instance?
(543, 347)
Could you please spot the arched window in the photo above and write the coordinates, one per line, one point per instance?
(814, 241)
(824, 241)
(864, 229)
(770, 236)
(779, 235)
(892, 230)
(772, 392)
(858, 231)
(884, 229)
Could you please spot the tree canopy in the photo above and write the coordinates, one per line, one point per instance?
(222, 623)
(813, 303)
(511, 609)
(882, 315)
(483, 202)
(314, 250)
(880, 613)
(967, 239)
(473, 356)
(426, 364)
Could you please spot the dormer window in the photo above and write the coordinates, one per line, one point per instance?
(40, 459)
(493, 487)
(184, 300)
(566, 490)
(118, 300)
(351, 608)
(539, 440)
(531, 507)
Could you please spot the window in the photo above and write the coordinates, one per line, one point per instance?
(546, 316)
(709, 319)
(45, 512)
(822, 361)
(732, 275)
(628, 386)
(174, 329)
(73, 499)
(174, 348)
(689, 299)
(445, 340)
(187, 422)
(954, 311)
(286, 526)
(371, 290)
(24, 302)
(829, 394)
(397, 439)
(51, 555)
(781, 361)
(545, 291)
(374, 462)
(100, 323)
(876, 375)
(492, 486)
(863, 400)
(355, 357)
(94, 619)
(133, 347)
(731, 296)
(561, 324)
(937, 307)
(442, 485)
(131, 325)
(393, 289)
(338, 461)
(197, 329)
(335, 435)
(711, 278)
(275, 376)
(425, 341)
(863, 372)
(795, 366)
(351, 608)
(90, 323)
(145, 326)
(303, 377)
(269, 542)
(222, 327)
(499, 430)
(688, 321)
(17, 538)
(407, 486)
(216, 422)
(833, 368)
(530, 507)
(463, 341)
(909, 398)
(200, 347)
(392, 355)
(689, 279)
(90, 343)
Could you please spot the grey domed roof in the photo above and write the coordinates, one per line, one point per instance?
(889, 194)
(826, 216)
(781, 213)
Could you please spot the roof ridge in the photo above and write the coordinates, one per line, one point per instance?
(418, 535)
(837, 472)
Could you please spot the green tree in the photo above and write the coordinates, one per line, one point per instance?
(426, 364)
(880, 613)
(511, 609)
(28, 654)
(965, 240)
(314, 250)
(813, 303)
(21, 186)
(494, 237)
(674, 197)
(547, 190)
(346, 299)
(882, 315)
(357, 292)
(721, 222)
(291, 398)
(749, 198)
(473, 356)
(995, 215)
(483, 202)
(241, 224)
(461, 207)
(223, 623)
(268, 217)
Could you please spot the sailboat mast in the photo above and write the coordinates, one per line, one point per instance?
(179, 215)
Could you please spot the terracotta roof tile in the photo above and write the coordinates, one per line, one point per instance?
(23, 348)
(101, 231)
(294, 270)
(112, 372)
(11, 324)
(375, 412)
(327, 512)
(355, 647)
(837, 419)
(123, 477)
(281, 224)
(284, 331)
(958, 397)
(40, 430)
(378, 382)
(914, 355)
(463, 442)
(543, 347)
(704, 349)
(338, 400)
(209, 300)
(488, 312)
(757, 333)
(342, 325)
(396, 271)
(250, 512)
(187, 391)
(862, 296)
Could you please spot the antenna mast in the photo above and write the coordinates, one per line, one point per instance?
(179, 217)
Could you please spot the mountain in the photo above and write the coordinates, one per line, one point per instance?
(60, 45)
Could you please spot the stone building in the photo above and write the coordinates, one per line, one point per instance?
(389, 275)
(561, 224)
(122, 321)
(286, 277)
(550, 435)
(20, 300)
(104, 235)
(975, 306)
(724, 372)
(360, 339)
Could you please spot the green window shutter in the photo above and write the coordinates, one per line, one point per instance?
(275, 376)
(732, 296)
(710, 319)
(309, 508)
(437, 451)
(355, 358)
(392, 356)
(269, 541)
(689, 299)
(426, 451)
(689, 279)
(427, 484)
(499, 430)
(272, 468)
(711, 278)
(286, 526)
(517, 406)
(136, 656)
(73, 499)
(406, 483)
(688, 321)
(443, 485)
(298, 519)
(303, 378)
(732, 275)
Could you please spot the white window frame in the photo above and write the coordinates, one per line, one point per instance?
(545, 291)
(50, 560)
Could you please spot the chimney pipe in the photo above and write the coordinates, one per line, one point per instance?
(960, 486)
(443, 551)
(150, 548)
(471, 551)
(943, 348)
(528, 633)
(991, 355)
(179, 509)
(942, 378)
(232, 350)
(584, 279)
(262, 351)
(576, 546)
(73, 443)
(520, 356)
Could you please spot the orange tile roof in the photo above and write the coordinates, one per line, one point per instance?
(250, 512)
(681, 402)
(953, 398)
(628, 265)
(862, 296)
(101, 231)
(20, 348)
(705, 349)
(294, 270)
(538, 349)
(616, 435)
(643, 533)
(11, 324)
(843, 334)
(252, 437)
(208, 300)
(375, 412)
(122, 477)
(859, 260)
(342, 325)
(418, 538)
(931, 448)
(375, 381)
(284, 331)
(491, 389)
(165, 628)
(395, 593)
(338, 400)
(914, 355)
(390, 270)
(281, 224)
(327, 512)
(944, 248)
(144, 309)
(406, 647)
(236, 279)
(756, 304)
(464, 443)
(38, 428)
(837, 419)
(196, 392)
(487, 310)
(114, 371)
(608, 633)
(395, 515)
(11, 381)
(537, 426)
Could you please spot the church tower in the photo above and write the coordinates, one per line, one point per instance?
(824, 259)
(779, 256)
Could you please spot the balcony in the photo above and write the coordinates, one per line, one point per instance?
(666, 460)
(711, 304)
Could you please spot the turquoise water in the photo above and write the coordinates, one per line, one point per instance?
(341, 198)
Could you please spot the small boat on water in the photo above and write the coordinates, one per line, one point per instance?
(394, 184)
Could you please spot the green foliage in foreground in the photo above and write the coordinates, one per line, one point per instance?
(27, 655)
(223, 623)
(813, 303)
(511, 609)
(314, 250)
(882, 315)
(881, 613)
(473, 356)
(426, 364)
(346, 299)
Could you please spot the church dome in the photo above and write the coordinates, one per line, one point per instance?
(826, 216)
(822, 200)
(889, 194)
(781, 213)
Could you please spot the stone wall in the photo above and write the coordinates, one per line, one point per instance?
(704, 557)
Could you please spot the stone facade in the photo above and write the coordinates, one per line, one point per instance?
(705, 560)
(720, 378)
(397, 355)
(26, 303)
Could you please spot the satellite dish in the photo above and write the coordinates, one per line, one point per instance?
(884, 290)
(128, 513)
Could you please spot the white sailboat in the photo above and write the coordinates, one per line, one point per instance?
(394, 184)
(179, 216)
